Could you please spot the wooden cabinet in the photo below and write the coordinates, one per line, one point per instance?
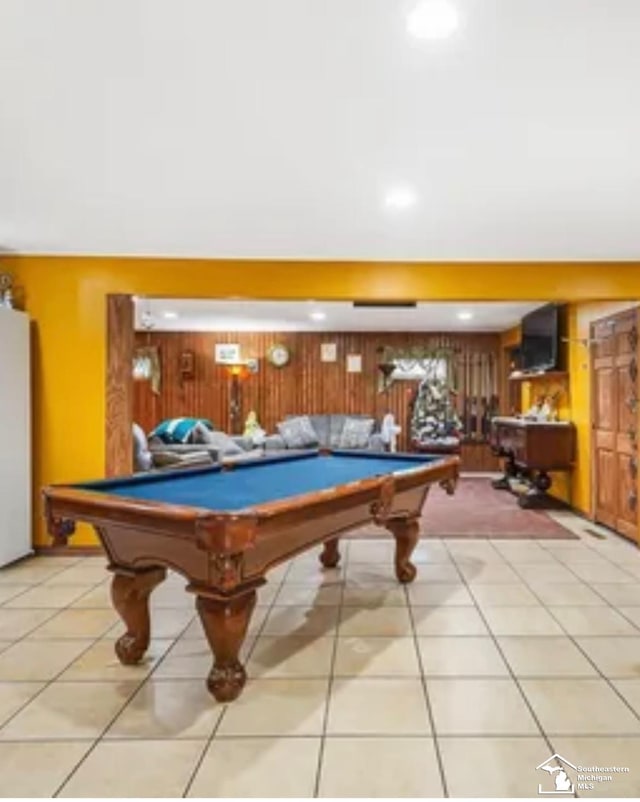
(15, 452)
(532, 449)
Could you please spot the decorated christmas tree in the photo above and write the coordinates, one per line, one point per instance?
(434, 413)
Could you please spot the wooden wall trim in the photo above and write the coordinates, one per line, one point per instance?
(119, 401)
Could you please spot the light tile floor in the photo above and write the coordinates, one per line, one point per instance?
(500, 654)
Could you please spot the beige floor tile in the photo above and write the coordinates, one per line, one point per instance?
(290, 594)
(14, 695)
(267, 594)
(540, 656)
(301, 621)
(506, 595)
(168, 709)
(630, 613)
(465, 550)
(579, 707)
(16, 624)
(593, 621)
(438, 572)
(521, 621)
(492, 767)
(630, 689)
(368, 706)
(479, 707)
(520, 552)
(382, 594)
(618, 593)
(38, 769)
(602, 573)
(630, 565)
(34, 660)
(277, 707)
(491, 573)
(536, 574)
(144, 769)
(96, 598)
(471, 656)
(69, 710)
(439, 594)
(370, 574)
(380, 767)
(29, 572)
(8, 592)
(448, 621)
(48, 596)
(81, 574)
(376, 657)
(314, 574)
(615, 657)
(383, 621)
(286, 656)
(573, 595)
(172, 595)
(71, 623)
(189, 658)
(99, 662)
(166, 623)
(430, 550)
(371, 551)
(623, 752)
(258, 767)
(579, 555)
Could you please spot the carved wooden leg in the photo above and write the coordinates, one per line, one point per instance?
(225, 623)
(130, 596)
(406, 531)
(330, 556)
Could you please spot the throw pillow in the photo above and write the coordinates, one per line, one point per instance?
(178, 430)
(298, 432)
(356, 432)
(223, 444)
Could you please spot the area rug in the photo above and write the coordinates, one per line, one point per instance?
(478, 511)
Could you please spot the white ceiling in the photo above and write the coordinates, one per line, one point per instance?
(247, 128)
(210, 315)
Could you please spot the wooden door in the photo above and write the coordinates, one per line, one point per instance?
(615, 422)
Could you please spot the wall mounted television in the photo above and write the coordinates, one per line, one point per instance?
(541, 332)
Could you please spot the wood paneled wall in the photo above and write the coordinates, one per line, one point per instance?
(305, 385)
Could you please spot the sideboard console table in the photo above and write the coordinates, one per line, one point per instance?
(532, 449)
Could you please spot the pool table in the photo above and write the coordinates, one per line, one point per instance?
(224, 526)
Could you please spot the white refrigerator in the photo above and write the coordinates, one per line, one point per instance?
(15, 436)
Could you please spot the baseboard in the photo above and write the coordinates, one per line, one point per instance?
(68, 551)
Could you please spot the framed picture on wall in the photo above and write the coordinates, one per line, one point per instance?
(227, 353)
(328, 352)
(354, 363)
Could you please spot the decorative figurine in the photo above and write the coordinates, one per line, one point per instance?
(390, 431)
(6, 290)
(252, 429)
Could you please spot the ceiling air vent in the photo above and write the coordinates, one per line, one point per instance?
(385, 304)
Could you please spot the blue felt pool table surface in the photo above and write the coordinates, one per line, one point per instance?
(260, 481)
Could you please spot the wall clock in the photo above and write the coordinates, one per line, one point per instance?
(278, 355)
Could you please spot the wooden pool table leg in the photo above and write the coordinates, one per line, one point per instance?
(330, 555)
(130, 595)
(225, 622)
(406, 532)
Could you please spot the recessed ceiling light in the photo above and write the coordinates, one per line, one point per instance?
(317, 316)
(433, 19)
(169, 315)
(400, 198)
(464, 315)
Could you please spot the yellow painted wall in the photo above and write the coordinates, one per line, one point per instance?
(66, 298)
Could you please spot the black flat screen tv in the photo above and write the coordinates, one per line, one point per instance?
(541, 339)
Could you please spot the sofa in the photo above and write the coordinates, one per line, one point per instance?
(326, 431)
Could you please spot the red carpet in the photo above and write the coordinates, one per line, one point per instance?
(478, 511)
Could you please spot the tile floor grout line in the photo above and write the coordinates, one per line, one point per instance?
(334, 652)
(511, 672)
(225, 705)
(425, 691)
